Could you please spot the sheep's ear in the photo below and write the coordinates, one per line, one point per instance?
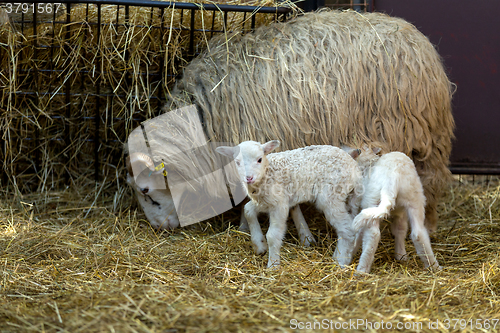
(351, 151)
(137, 162)
(270, 146)
(376, 150)
(227, 151)
(355, 153)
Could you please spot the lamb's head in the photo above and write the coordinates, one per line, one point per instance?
(366, 156)
(152, 193)
(250, 157)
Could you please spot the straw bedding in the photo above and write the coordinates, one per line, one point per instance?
(66, 269)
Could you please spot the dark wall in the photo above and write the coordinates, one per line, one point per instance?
(467, 36)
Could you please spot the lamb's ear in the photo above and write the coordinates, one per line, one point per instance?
(376, 150)
(270, 146)
(355, 153)
(227, 151)
(351, 151)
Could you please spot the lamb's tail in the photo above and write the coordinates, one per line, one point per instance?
(369, 215)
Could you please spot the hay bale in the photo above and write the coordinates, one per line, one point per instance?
(329, 77)
(73, 92)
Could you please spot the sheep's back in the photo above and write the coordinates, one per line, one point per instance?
(305, 173)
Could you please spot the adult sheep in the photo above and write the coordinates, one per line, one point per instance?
(328, 77)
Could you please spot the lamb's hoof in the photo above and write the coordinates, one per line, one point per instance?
(435, 267)
(361, 271)
(403, 257)
(244, 227)
(260, 247)
(273, 266)
(309, 241)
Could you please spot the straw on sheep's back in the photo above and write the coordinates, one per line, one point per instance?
(329, 77)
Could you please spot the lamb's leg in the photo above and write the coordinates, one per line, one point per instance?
(399, 229)
(371, 238)
(275, 235)
(341, 220)
(305, 236)
(258, 239)
(243, 221)
(358, 241)
(420, 237)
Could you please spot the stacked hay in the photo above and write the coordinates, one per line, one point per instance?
(65, 268)
(72, 90)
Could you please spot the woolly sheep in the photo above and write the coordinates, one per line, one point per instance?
(154, 201)
(328, 78)
(391, 187)
(324, 175)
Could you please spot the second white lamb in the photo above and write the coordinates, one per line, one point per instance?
(323, 175)
(391, 188)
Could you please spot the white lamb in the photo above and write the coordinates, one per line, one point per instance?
(325, 175)
(391, 187)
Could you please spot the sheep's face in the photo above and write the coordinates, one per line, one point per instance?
(250, 158)
(365, 156)
(152, 193)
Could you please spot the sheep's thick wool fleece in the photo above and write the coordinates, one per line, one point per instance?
(308, 174)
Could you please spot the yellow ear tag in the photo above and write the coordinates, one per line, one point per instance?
(159, 167)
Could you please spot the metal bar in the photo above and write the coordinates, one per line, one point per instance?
(484, 170)
(98, 100)
(243, 22)
(161, 69)
(37, 99)
(213, 22)
(67, 92)
(225, 21)
(178, 5)
(191, 35)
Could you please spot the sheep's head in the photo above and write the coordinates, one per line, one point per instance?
(250, 157)
(151, 191)
(366, 156)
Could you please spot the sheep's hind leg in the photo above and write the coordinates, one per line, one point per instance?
(399, 229)
(371, 238)
(275, 235)
(420, 238)
(305, 236)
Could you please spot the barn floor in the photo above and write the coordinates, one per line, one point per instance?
(67, 269)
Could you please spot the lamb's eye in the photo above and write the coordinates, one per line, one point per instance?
(238, 163)
(259, 160)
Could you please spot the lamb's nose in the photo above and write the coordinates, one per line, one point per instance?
(249, 179)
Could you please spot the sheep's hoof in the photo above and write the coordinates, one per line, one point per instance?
(308, 241)
(361, 271)
(435, 267)
(244, 228)
(400, 257)
(260, 247)
(273, 266)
